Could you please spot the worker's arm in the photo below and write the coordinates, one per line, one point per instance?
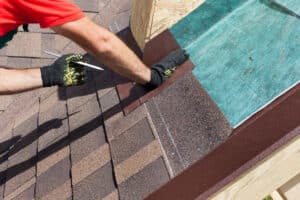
(63, 72)
(19, 80)
(106, 47)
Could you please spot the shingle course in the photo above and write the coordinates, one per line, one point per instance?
(65, 128)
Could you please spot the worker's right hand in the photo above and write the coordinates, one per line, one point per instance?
(64, 72)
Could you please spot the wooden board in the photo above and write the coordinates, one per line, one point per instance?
(276, 196)
(141, 19)
(291, 190)
(167, 13)
(151, 17)
(266, 176)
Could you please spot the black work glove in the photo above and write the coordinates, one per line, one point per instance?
(64, 72)
(170, 63)
(166, 67)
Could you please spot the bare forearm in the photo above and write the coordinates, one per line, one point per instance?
(107, 48)
(19, 80)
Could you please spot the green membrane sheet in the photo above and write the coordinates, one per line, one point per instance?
(247, 53)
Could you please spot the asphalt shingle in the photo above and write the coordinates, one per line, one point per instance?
(78, 96)
(3, 60)
(109, 100)
(19, 62)
(53, 178)
(88, 143)
(91, 6)
(145, 182)
(22, 157)
(5, 100)
(64, 131)
(91, 188)
(132, 140)
(26, 191)
(53, 123)
(117, 127)
(21, 44)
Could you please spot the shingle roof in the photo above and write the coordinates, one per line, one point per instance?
(76, 143)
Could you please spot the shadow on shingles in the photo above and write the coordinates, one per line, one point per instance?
(5, 146)
(273, 4)
(21, 143)
(74, 135)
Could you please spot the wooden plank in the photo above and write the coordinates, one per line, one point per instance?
(167, 13)
(151, 17)
(291, 190)
(266, 176)
(141, 20)
(276, 195)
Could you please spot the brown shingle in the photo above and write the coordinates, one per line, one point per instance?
(16, 179)
(109, 100)
(53, 125)
(5, 100)
(41, 62)
(184, 111)
(104, 81)
(52, 108)
(90, 164)
(112, 196)
(60, 43)
(53, 178)
(26, 191)
(120, 22)
(96, 186)
(3, 168)
(25, 45)
(72, 47)
(47, 43)
(3, 60)
(22, 157)
(131, 141)
(86, 144)
(90, 6)
(45, 164)
(80, 95)
(117, 127)
(63, 192)
(84, 114)
(19, 62)
(145, 182)
(138, 161)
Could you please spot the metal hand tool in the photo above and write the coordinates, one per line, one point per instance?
(78, 62)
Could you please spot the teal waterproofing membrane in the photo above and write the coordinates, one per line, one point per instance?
(292, 5)
(247, 53)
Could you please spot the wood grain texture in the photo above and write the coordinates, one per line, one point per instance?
(291, 190)
(167, 13)
(266, 176)
(151, 17)
(276, 195)
(141, 20)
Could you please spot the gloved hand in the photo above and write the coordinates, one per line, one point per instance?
(169, 64)
(64, 72)
(161, 71)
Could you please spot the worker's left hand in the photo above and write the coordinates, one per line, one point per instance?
(64, 72)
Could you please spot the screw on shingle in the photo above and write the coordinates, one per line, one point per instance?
(78, 62)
